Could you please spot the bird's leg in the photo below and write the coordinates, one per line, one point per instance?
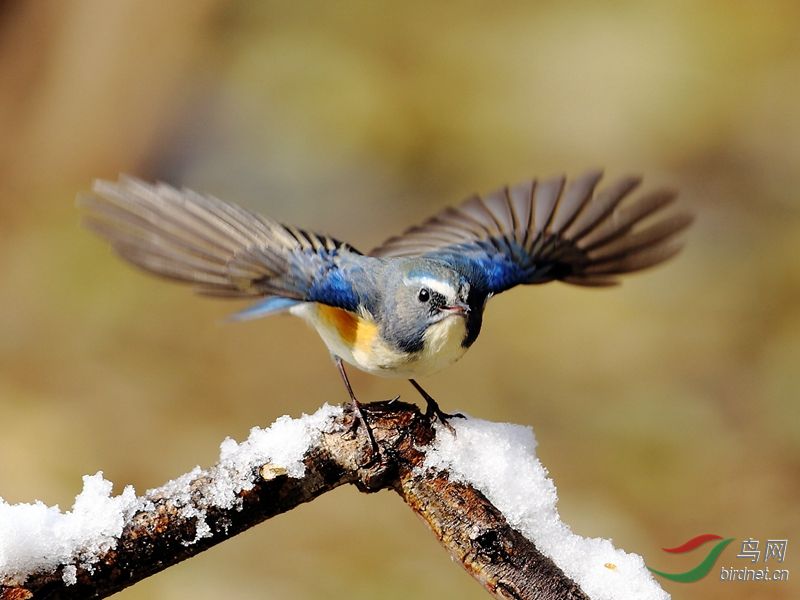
(358, 415)
(433, 410)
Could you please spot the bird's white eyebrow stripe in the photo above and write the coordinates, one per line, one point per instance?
(436, 285)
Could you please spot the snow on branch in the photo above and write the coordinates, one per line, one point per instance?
(483, 493)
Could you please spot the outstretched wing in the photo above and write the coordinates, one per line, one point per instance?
(536, 232)
(219, 248)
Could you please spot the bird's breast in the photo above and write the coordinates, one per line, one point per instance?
(356, 339)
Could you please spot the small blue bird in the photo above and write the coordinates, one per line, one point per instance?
(414, 305)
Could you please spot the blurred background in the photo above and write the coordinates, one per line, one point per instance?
(664, 408)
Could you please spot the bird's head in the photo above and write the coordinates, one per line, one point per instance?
(429, 304)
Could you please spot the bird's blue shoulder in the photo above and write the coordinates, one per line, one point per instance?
(345, 280)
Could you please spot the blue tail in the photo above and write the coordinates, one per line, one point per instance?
(264, 308)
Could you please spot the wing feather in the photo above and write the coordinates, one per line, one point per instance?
(626, 217)
(601, 206)
(544, 203)
(538, 231)
(221, 249)
(642, 239)
(519, 199)
(576, 196)
(498, 206)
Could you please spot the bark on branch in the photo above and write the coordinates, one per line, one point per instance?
(475, 533)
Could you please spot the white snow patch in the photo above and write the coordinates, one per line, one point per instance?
(499, 460)
(39, 538)
(70, 575)
(35, 537)
(283, 444)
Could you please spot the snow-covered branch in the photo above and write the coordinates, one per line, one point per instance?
(482, 492)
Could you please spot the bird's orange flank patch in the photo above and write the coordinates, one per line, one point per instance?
(354, 330)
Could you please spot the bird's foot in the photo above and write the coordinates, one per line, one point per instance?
(360, 420)
(433, 412)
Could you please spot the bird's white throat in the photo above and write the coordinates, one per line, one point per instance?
(442, 345)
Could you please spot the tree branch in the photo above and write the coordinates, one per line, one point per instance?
(180, 520)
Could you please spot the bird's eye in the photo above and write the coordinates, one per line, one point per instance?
(424, 295)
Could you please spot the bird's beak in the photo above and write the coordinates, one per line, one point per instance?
(459, 308)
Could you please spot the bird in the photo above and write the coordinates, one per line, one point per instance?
(415, 304)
